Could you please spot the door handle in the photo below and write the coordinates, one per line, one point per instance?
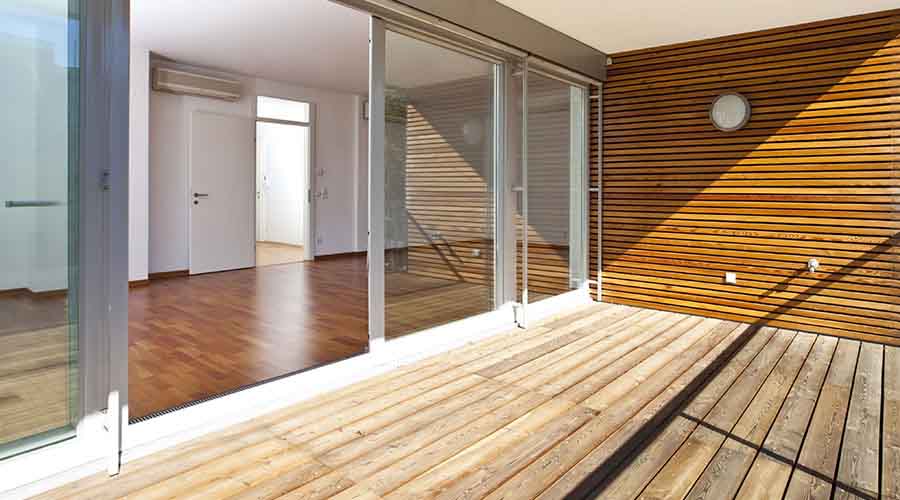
(32, 203)
(201, 195)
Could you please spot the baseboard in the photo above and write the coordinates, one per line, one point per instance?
(341, 255)
(44, 294)
(279, 244)
(139, 283)
(169, 274)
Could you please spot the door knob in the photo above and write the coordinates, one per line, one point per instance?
(201, 195)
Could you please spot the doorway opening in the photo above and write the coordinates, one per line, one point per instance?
(233, 281)
(284, 161)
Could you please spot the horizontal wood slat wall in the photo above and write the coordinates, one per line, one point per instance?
(813, 174)
(449, 191)
(449, 181)
(549, 184)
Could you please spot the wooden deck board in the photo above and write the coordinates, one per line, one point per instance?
(814, 474)
(890, 458)
(628, 482)
(609, 400)
(810, 431)
(731, 463)
(677, 478)
(857, 475)
(602, 459)
(771, 470)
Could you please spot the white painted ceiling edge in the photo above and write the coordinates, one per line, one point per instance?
(314, 43)
(621, 25)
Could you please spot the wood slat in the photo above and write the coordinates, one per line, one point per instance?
(813, 476)
(857, 475)
(638, 470)
(771, 470)
(724, 474)
(890, 441)
(816, 168)
(606, 401)
(677, 478)
(814, 429)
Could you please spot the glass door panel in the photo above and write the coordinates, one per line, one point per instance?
(439, 185)
(38, 223)
(554, 189)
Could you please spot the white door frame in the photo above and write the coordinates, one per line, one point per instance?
(309, 215)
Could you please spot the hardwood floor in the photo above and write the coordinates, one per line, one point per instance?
(415, 302)
(35, 382)
(195, 337)
(524, 414)
(35, 369)
(25, 311)
(271, 254)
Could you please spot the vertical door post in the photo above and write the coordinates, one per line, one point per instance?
(376, 182)
(523, 315)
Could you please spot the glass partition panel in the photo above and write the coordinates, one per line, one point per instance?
(439, 168)
(38, 223)
(555, 189)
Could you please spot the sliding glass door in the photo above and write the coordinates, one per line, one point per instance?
(39, 230)
(439, 214)
(552, 219)
(478, 188)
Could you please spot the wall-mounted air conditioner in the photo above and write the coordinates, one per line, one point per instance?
(179, 81)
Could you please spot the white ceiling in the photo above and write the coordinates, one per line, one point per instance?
(318, 43)
(618, 25)
(315, 43)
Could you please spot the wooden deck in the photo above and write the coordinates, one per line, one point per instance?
(544, 412)
(792, 415)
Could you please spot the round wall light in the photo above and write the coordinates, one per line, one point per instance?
(729, 111)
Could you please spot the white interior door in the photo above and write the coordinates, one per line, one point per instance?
(222, 160)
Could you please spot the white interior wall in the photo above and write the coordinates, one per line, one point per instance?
(336, 165)
(138, 165)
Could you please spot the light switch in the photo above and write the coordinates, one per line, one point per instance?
(731, 278)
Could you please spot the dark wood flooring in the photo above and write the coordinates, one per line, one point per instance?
(25, 311)
(195, 337)
(415, 302)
